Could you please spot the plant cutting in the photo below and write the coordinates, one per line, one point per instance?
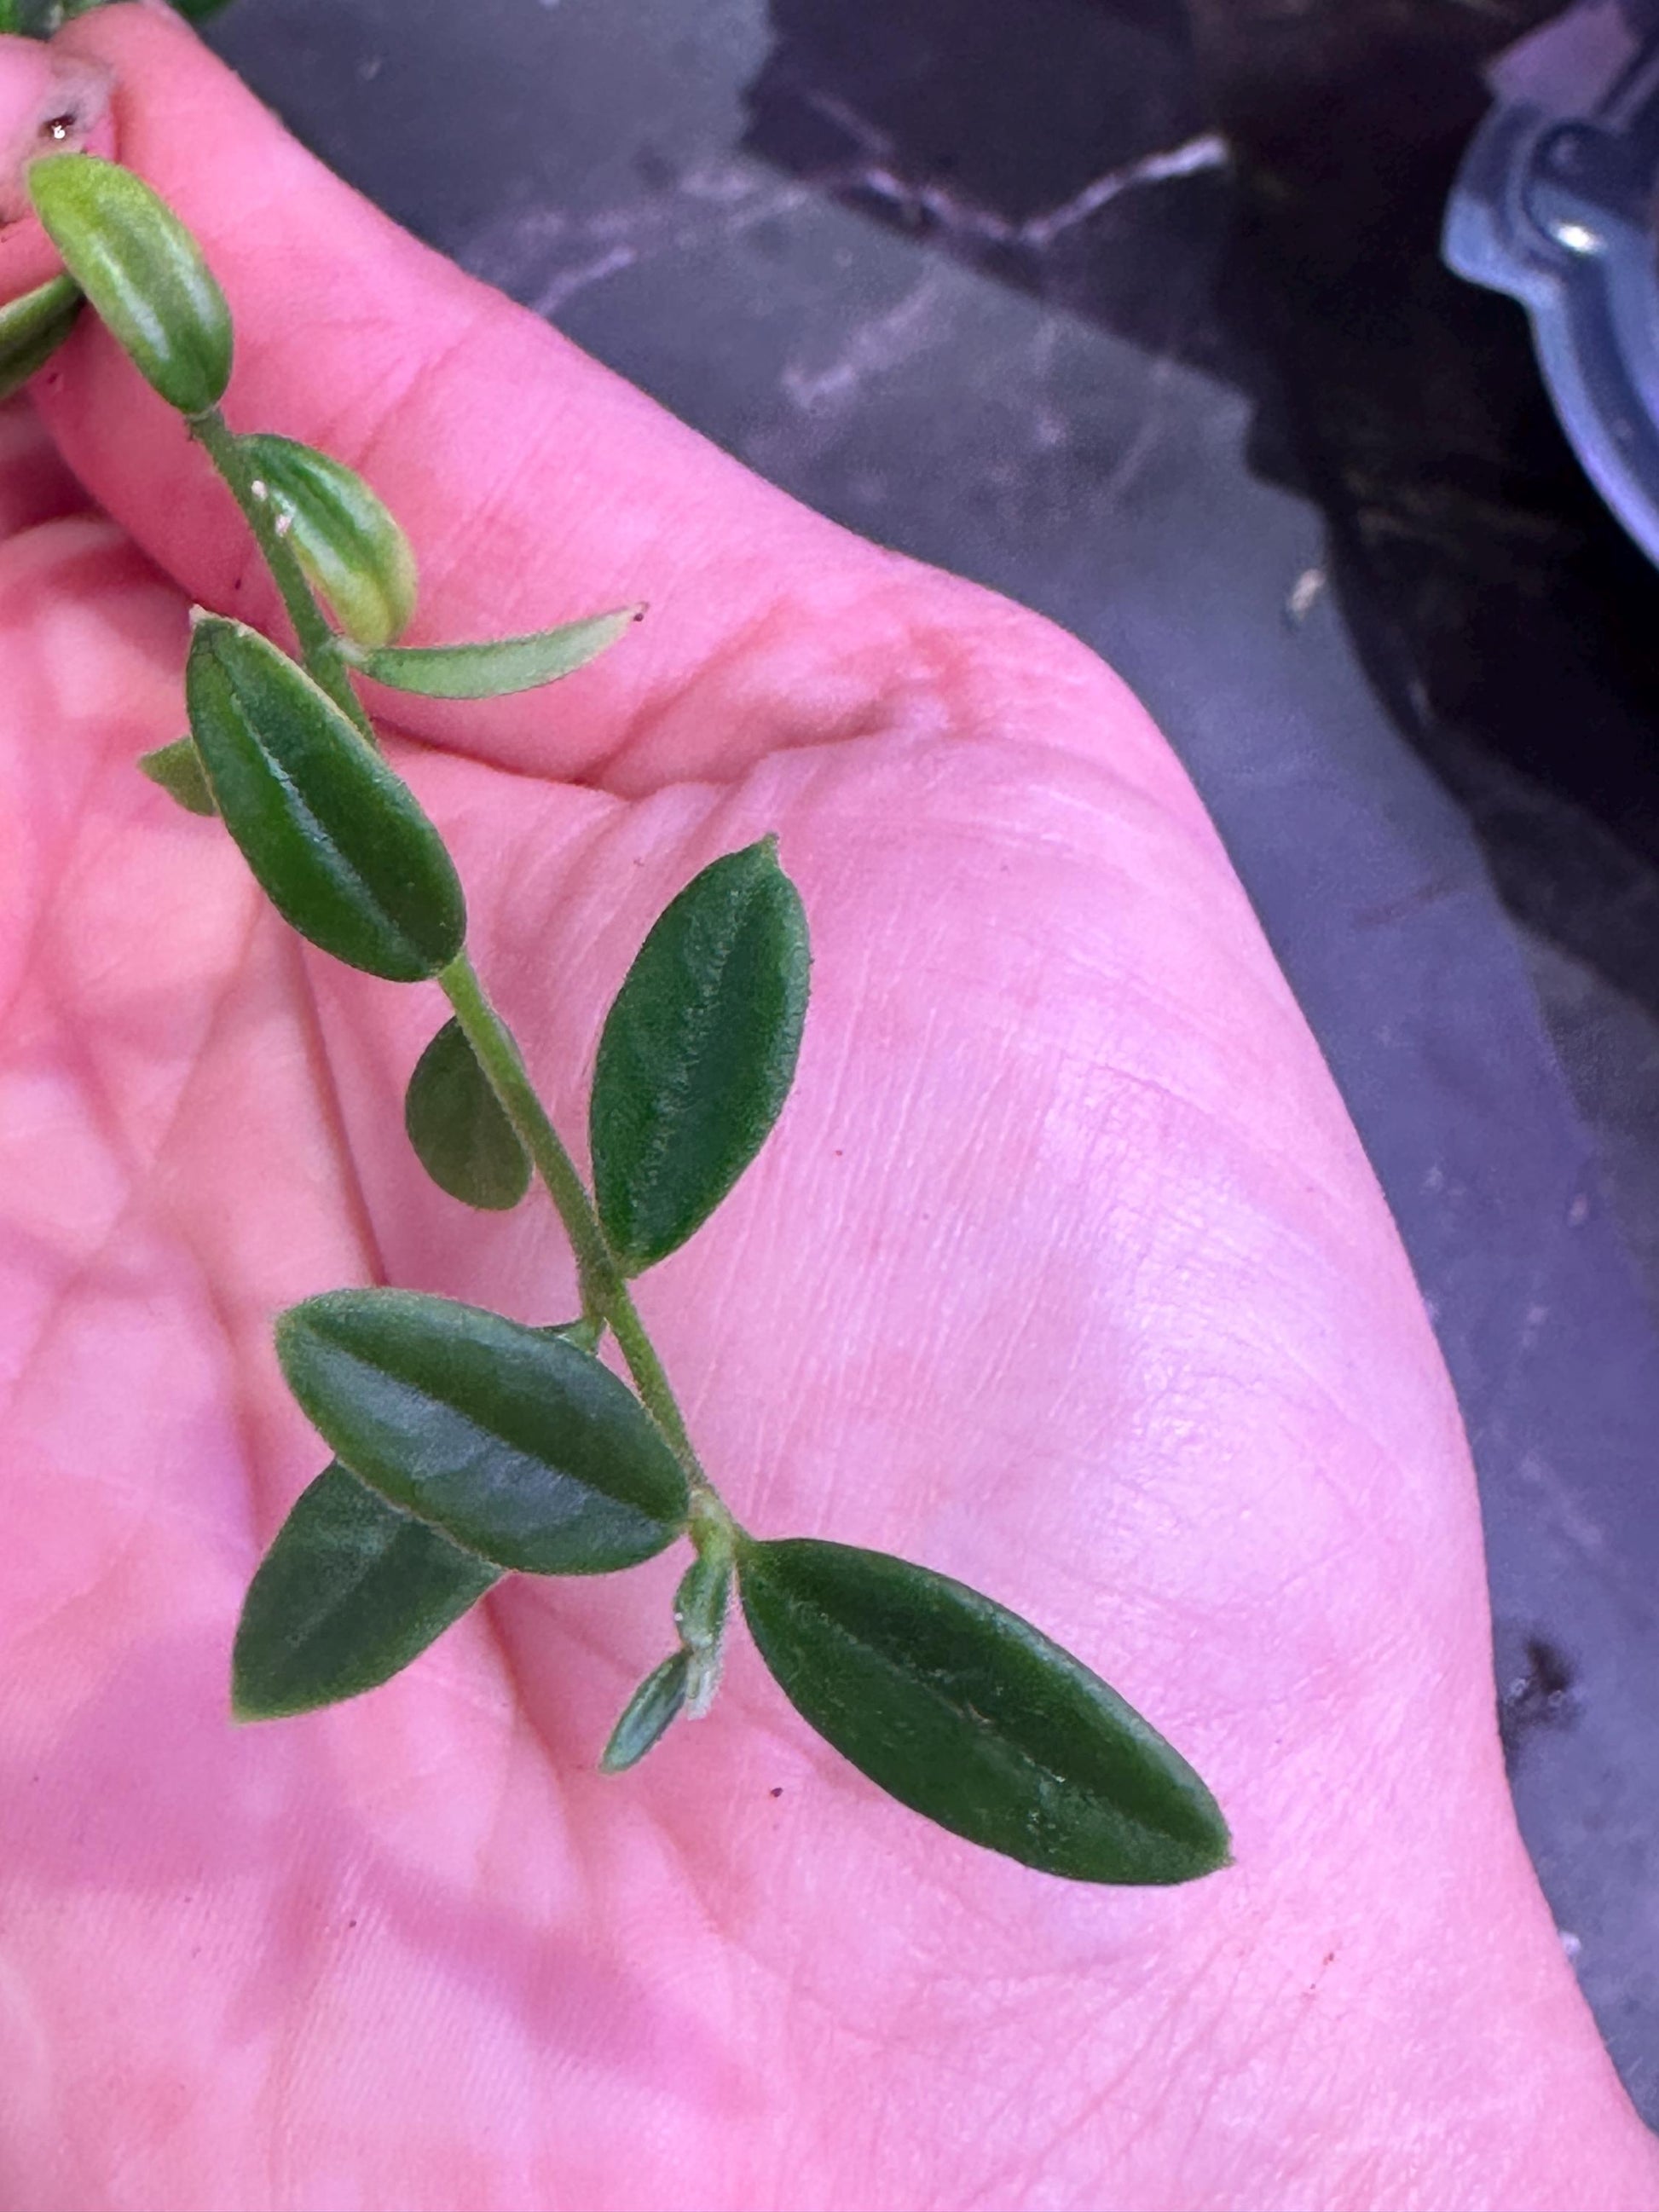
(467, 1445)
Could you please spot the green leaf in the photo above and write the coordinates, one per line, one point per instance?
(142, 271)
(502, 664)
(177, 768)
(698, 1053)
(459, 1127)
(513, 1443)
(344, 537)
(34, 19)
(646, 1716)
(336, 840)
(701, 1601)
(351, 1591)
(33, 328)
(700, 1607)
(971, 1717)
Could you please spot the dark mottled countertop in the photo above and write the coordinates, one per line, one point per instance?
(1131, 310)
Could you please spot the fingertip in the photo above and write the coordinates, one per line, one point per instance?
(51, 101)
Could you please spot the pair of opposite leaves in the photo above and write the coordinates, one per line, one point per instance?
(448, 1473)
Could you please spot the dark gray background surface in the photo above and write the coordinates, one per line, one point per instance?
(962, 276)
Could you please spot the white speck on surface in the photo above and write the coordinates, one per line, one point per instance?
(1569, 1942)
(1305, 595)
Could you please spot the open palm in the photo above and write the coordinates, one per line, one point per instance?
(1063, 1273)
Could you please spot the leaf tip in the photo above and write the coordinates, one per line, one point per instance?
(246, 1705)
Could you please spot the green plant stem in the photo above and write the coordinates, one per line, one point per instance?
(319, 645)
(604, 1292)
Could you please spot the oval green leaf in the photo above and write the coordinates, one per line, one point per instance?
(343, 536)
(460, 1129)
(500, 665)
(339, 844)
(646, 1716)
(177, 768)
(971, 1717)
(33, 327)
(515, 1444)
(349, 1592)
(697, 1052)
(142, 271)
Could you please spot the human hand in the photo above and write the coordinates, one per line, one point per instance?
(1063, 1273)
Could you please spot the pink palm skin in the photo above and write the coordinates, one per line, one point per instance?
(1063, 1273)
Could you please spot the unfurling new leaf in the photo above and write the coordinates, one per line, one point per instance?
(33, 327)
(336, 840)
(460, 1129)
(515, 1444)
(646, 1716)
(502, 664)
(344, 537)
(697, 1052)
(700, 1609)
(349, 1592)
(142, 271)
(177, 768)
(969, 1715)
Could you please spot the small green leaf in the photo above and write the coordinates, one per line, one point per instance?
(37, 19)
(336, 840)
(700, 1607)
(142, 271)
(646, 1716)
(701, 1601)
(513, 1443)
(343, 535)
(697, 1052)
(501, 664)
(33, 328)
(177, 768)
(459, 1127)
(349, 1592)
(972, 1717)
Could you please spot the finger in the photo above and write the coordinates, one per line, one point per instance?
(50, 102)
(536, 485)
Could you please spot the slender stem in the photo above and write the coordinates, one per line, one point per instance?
(319, 645)
(604, 1291)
